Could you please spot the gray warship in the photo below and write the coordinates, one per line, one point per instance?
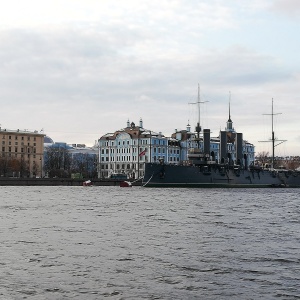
(202, 169)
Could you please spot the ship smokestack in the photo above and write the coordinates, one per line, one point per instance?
(223, 146)
(206, 141)
(239, 148)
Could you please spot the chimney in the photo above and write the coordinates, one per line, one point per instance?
(239, 148)
(206, 141)
(223, 145)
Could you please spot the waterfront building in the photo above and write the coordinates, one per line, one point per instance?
(128, 149)
(21, 153)
(70, 160)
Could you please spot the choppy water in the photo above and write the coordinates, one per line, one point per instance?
(118, 243)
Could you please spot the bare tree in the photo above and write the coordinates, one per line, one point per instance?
(263, 158)
(57, 162)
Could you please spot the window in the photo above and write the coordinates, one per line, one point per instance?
(16, 149)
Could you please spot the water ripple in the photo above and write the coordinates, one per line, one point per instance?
(108, 242)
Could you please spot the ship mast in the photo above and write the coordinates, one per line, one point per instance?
(273, 139)
(198, 127)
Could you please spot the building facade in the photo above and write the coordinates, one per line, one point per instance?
(70, 160)
(21, 153)
(127, 150)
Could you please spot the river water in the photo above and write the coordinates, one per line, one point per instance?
(139, 243)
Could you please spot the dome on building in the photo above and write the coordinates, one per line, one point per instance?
(48, 140)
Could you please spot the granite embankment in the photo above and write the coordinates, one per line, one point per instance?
(58, 182)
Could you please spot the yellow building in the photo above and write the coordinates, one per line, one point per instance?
(21, 153)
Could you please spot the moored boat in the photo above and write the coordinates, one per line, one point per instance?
(87, 183)
(217, 175)
(125, 184)
(203, 170)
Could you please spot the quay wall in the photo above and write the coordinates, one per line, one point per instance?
(59, 182)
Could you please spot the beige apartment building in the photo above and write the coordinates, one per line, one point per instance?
(21, 153)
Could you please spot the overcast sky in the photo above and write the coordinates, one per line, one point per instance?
(81, 68)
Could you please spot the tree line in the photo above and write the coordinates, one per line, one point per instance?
(59, 162)
(264, 158)
(16, 167)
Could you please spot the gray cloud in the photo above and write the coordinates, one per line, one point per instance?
(290, 8)
(81, 80)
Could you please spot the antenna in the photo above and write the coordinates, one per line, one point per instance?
(273, 139)
(198, 127)
(229, 105)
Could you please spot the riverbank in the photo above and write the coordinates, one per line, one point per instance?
(59, 182)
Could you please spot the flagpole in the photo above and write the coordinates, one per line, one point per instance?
(150, 148)
(138, 153)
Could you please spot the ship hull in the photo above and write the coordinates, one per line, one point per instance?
(161, 175)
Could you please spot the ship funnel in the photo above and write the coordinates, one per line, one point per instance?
(223, 145)
(239, 148)
(206, 141)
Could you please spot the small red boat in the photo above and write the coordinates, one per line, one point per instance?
(125, 184)
(87, 183)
